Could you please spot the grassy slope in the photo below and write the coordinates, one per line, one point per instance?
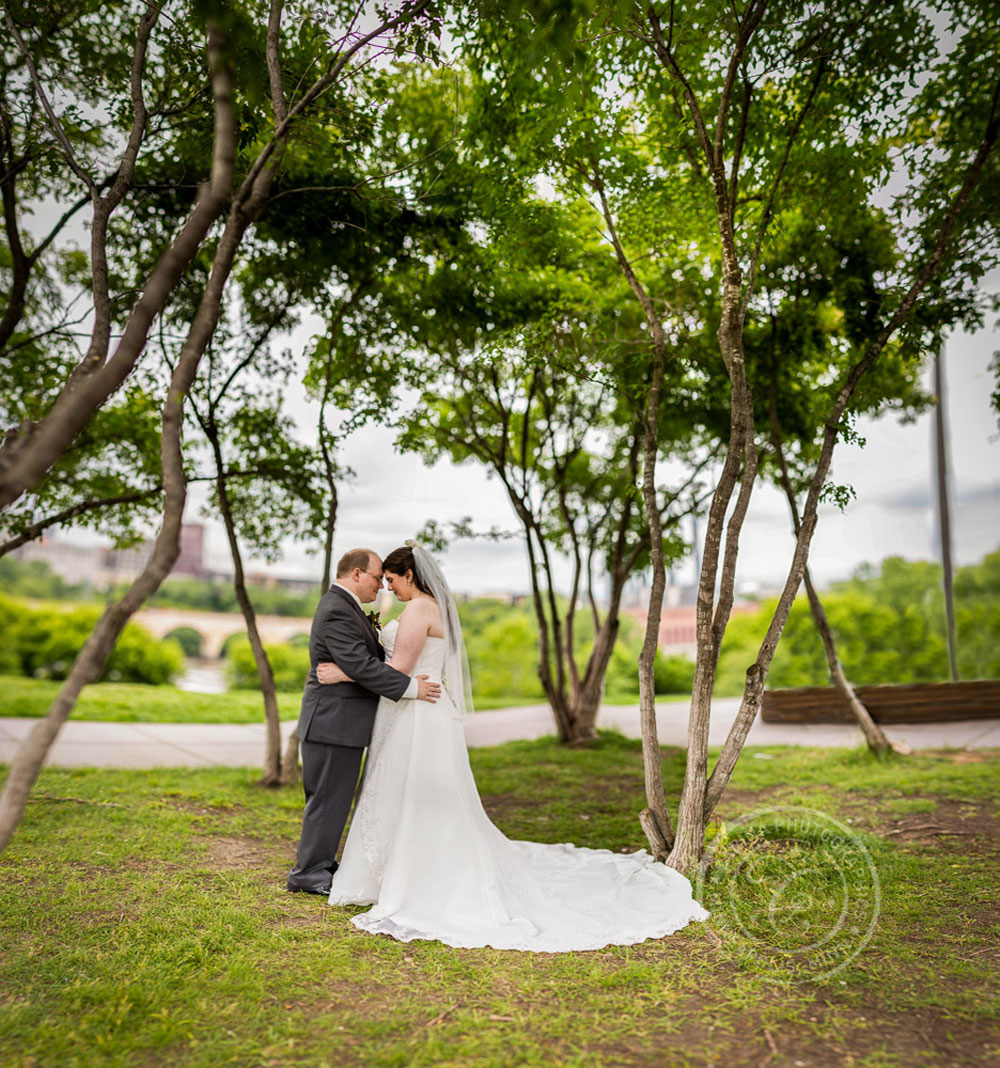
(122, 702)
(145, 923)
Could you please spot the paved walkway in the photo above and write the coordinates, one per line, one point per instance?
(149, 745)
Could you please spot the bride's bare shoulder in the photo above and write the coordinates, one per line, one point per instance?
(423, 610)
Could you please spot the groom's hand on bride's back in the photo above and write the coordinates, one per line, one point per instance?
(427, 690)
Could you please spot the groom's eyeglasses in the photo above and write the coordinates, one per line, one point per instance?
(377, 578)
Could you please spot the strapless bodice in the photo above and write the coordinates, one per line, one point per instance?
(431, 659)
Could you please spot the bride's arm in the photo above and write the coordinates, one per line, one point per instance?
(328, 672)
(414, 625)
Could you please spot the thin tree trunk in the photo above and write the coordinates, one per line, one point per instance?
(329, 469)
(757, 673)
(91, 660)
(331, 526)
(739, 467)
(944, 514)
(93, 656)
(654, 819)
(272, 719)
(874, 735)
(290, 761)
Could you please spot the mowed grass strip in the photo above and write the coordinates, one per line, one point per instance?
(124, 702)
(145, 922)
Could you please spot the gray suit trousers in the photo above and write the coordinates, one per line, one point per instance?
(330, 779)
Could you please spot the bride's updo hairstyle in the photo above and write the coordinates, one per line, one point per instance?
(399, 561)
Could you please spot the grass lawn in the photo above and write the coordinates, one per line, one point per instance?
(124, 702)
(129, 702)
(145, 923)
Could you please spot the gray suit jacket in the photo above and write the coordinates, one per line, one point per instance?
(343, 713)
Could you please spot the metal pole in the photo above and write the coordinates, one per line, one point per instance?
(944, 516)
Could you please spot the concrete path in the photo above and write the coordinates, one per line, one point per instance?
(149, 745)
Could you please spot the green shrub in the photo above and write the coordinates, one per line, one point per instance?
(672, 674)
(503, 658)
(889, 626)
(290, 664)
(44, 642)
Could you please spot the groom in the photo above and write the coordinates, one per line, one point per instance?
(336, 721)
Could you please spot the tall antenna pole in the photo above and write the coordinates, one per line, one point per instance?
(944, 515)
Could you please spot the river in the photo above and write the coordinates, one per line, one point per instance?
(203, 676)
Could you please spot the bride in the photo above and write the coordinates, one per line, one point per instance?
(421, 849)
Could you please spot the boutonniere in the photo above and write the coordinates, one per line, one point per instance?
(374, 620)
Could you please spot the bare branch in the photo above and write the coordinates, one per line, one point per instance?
(278, 104)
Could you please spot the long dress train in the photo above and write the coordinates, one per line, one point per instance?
(422, 851)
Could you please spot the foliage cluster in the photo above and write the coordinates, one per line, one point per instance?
(36, 579)
(289, 663)
(218, 595)
(502, 644)
(42, 642)
(889, 624)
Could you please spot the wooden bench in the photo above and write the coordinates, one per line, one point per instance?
(917, 702)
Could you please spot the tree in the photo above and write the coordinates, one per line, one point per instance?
(567, 455)
(243, 426)
(29, 452)
(736, 119)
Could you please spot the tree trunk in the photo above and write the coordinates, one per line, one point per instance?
(290, 762)
(91, 659)
(654, 819)
(331, 526)
(589, 691)
(739, 466)
(272, 750)
(875, 737)
(757, 673)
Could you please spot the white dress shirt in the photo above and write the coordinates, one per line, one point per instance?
(411, 691)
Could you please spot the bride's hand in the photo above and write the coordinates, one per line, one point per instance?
(328, 673)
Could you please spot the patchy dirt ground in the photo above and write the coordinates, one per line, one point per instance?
(830, 1030)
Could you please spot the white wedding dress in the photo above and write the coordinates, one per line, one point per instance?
(423, 852)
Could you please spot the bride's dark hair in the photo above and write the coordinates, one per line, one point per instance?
(399, 561)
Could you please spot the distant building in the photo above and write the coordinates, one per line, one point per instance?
(678, 626)
(191, 561)
(103, 567)
(73, 563)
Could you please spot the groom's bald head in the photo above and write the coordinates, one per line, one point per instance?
(354, 558)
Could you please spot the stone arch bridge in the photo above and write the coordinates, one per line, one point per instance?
(216, 628)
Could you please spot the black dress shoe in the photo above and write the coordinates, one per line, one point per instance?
(324, 891)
